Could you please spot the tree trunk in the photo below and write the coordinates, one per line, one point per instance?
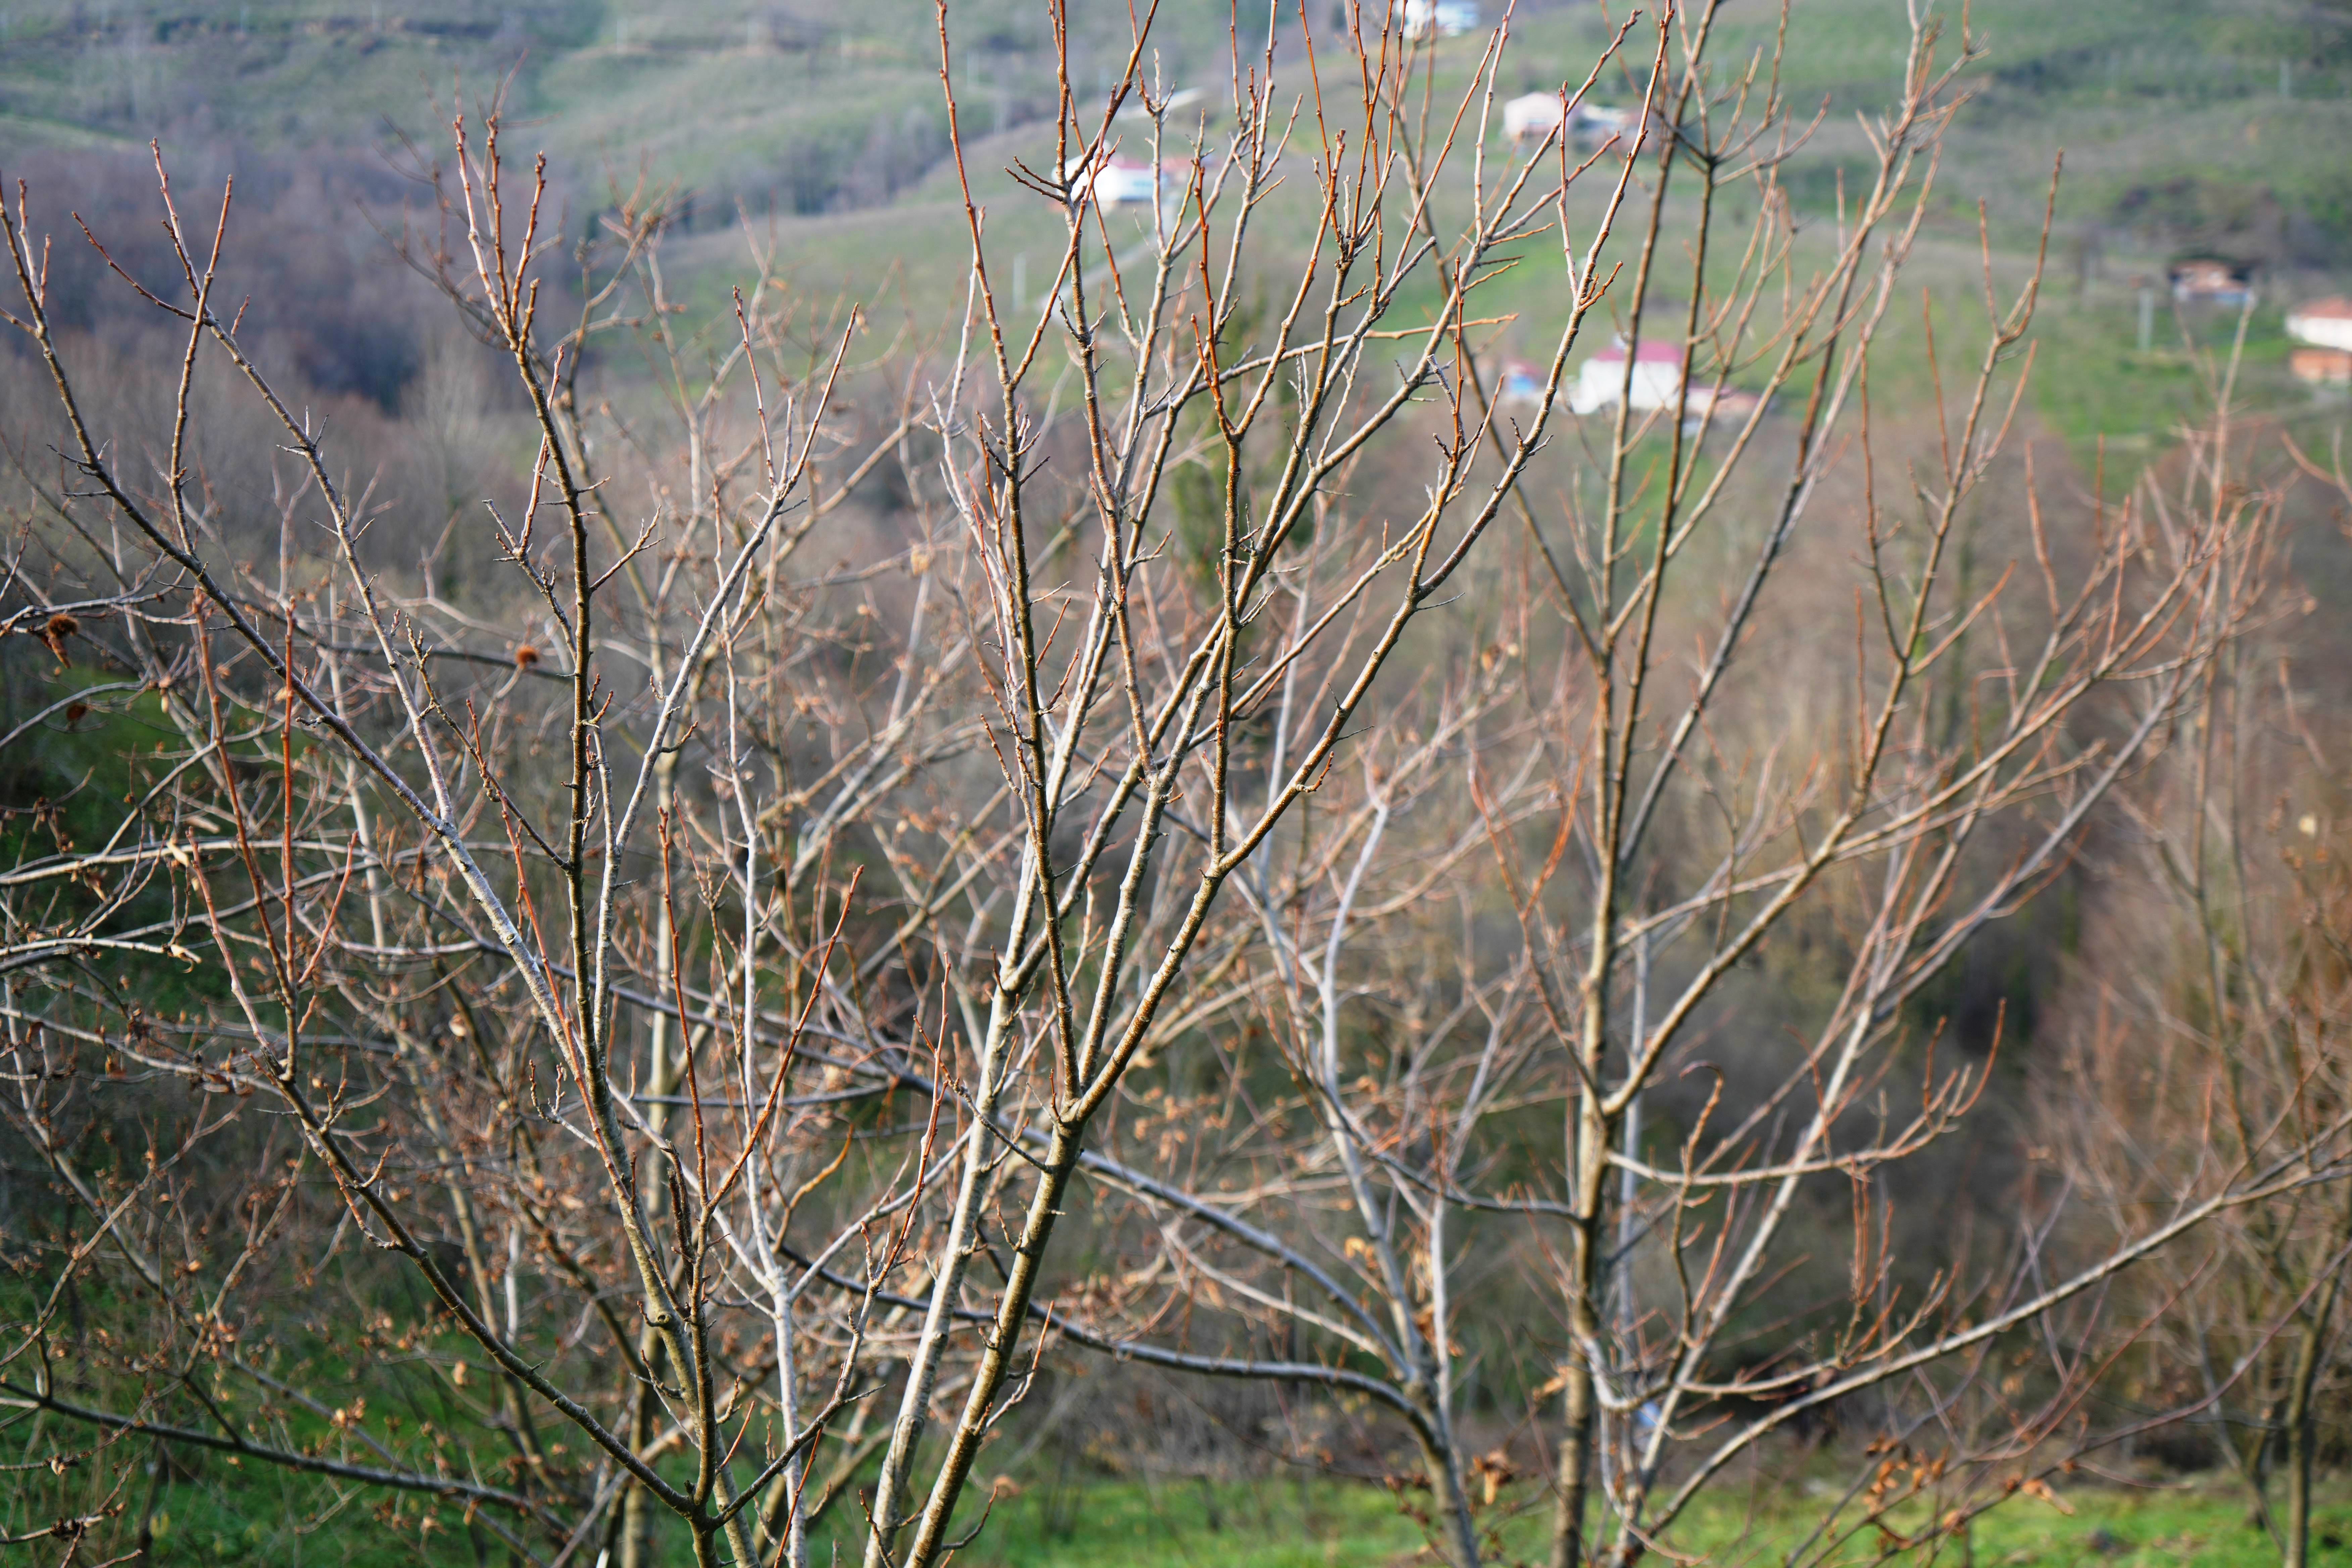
(1580, 1401)
(1575, 1466)
(1439, 1462)
(2301, 1422)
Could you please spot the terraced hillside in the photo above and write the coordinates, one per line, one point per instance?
(2212, 123)
(793, 107)
(2212, 126)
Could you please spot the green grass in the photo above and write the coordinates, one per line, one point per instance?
(1180, 1522)
(2207, 1527)
(1305, 1522)
(1078, 1521)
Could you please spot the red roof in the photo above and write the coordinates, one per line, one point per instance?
(1649, 351)
(2334, 308)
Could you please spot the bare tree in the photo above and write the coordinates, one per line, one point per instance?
(2207, 1040)
(414, 936)
(677, 993)
(573, 934)
(1647, 828)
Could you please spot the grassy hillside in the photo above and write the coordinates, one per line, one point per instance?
(793, 107)
(2186, 122)
(2205, 125)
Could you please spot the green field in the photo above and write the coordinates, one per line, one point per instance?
(1078, 1521)
(1271, 1524)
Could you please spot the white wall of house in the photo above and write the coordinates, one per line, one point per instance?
(2331, 329)
(1601, 380)
(1440, 18)
(1536, 115)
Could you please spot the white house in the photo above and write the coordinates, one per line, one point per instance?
(1440, 18)
(2211, 280)
(1125, 181)
(1601, 380)
(1537, 114)
(2325, 322)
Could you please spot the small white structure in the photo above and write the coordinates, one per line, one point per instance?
(1440, 18)
(2211, 280)
(2327, 323)
(1601, 380)
(1124, 181)
(1132, 182)
(1537, 115)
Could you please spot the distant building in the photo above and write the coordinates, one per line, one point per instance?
(1133, 182)
(1534, 116)
(1657, 384)
(1122, 181)
(1520, 382)
(1600, 381)
(1537, 115)
(2321, 367)
(2326, 322)
(1440, 18)
(2210, 280)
